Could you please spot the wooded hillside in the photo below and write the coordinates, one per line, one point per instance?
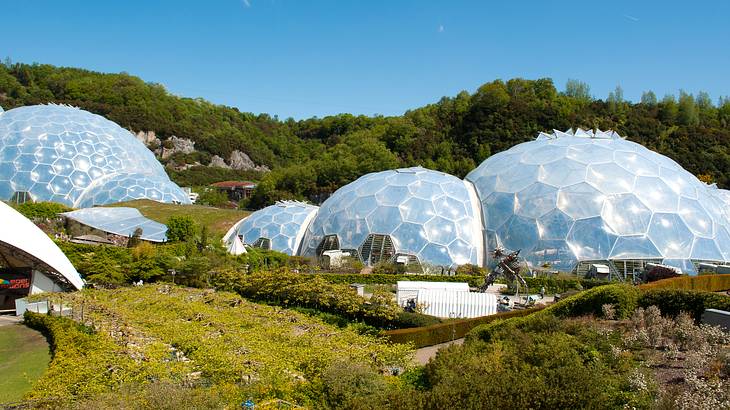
(313, 157)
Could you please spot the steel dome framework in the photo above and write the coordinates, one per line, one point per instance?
(68, 155)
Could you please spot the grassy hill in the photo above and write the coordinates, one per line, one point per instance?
(217, 220)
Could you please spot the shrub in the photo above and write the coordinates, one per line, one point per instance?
(180, 228)
(448, 330)
(412, 319)
(41, 210)
(706, 283)
(674, 301)
(469, 269)
(386, 268)
(623, 297)
(385, 279)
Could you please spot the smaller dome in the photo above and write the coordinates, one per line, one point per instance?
(426, 216)
(279, 227)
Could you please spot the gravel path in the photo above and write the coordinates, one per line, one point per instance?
(424, 354)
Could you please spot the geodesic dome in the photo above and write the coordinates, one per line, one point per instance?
(569, 197)
(68, 155)
(279, 227)
(425, 216)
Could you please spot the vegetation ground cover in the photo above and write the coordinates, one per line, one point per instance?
(203, 338)
(24, 356)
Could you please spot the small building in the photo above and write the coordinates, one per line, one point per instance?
(236, 190)
(407, 289)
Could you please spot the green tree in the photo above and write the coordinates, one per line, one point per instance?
(181, 229)
(578, 90)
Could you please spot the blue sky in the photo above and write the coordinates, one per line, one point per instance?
(304, 58)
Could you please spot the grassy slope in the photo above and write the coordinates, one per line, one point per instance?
(24, 356)
(217, 220)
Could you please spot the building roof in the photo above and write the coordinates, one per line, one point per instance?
(234, 184)
(120, 221)
(21, 241)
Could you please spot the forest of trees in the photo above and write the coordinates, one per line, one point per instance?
(311, 158)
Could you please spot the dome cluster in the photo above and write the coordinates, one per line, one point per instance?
(64, 154)
(565, 199)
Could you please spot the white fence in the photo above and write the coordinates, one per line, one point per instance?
(409, 289)
(450, 304)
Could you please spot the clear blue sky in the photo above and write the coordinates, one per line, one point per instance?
(303, 58)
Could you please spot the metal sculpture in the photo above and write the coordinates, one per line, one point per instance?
(508, 266)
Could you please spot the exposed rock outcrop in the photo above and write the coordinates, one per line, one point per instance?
(174, 145)
(149, 139)
(242, 162)
(218, 162)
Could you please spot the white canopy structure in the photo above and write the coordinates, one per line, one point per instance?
(236, 247)
(120, 221)
(31, 262)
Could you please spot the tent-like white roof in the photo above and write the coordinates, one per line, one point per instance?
(120, 221)
(21, 240)
(236, 247)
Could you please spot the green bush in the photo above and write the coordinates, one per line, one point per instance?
(674, 301)
(387, 268)
(407, 320)
(383, 279)
(623, 297)
(706, 283)
(181, 229)
(41, 210)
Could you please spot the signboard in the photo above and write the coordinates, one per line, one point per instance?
(14, 284)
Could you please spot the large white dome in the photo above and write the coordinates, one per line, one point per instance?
(414, 212)
(584, 196)
(67, 155)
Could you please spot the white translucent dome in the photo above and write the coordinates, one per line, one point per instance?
(279, 227)
(585, 196)
(67, 155)
(425, 214)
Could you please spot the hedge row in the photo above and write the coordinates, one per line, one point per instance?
(624, 298)
(705, 283)
(551, 284)
(453, 329)
(385, 279)
(674, 301)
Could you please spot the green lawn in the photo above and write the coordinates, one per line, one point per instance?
(24, 356)
(217, 220)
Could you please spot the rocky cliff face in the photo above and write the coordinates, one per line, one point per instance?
(174, 145)
(238, 160)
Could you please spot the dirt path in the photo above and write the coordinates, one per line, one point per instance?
(424, 354)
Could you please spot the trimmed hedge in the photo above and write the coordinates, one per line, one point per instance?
(385, 279)
(674, 301)
(551, 284)
(560, 285)
(624, 298)
(706, 283)
(450, 330)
